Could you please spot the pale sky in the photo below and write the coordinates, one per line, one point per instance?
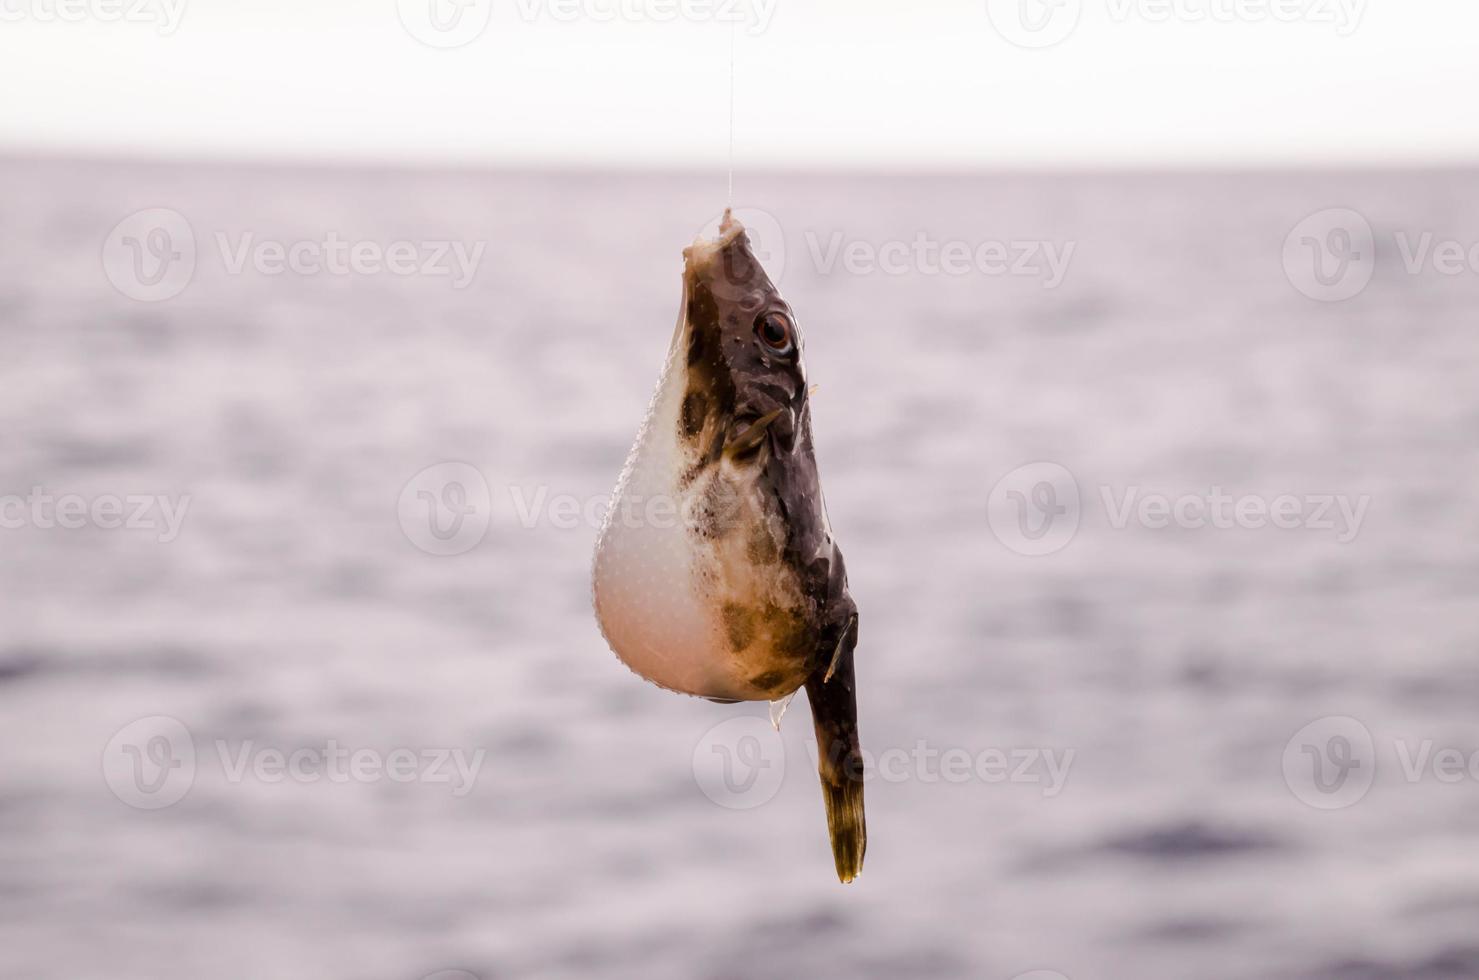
(862, 84)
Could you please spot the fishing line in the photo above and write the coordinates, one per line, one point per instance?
(731, 112)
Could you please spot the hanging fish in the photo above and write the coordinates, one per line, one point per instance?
(744, 596)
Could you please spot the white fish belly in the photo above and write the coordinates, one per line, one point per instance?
(647, 590)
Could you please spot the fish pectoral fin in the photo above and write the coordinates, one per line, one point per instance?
(834, 712)
(778, 710)
(845, 643)
(750, 438)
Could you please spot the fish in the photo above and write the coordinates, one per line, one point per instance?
(716, 573)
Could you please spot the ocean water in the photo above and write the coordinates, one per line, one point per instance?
(298, 606)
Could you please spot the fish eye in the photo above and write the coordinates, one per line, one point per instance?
(774, 331)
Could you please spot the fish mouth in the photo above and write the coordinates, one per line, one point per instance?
(725, 267)
(701, 255)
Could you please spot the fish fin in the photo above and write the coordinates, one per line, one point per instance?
(834, 712)
(812, 393)
(778, 710)
(842, 644)
(751, 437)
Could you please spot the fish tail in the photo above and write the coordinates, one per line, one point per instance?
(834, 712)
